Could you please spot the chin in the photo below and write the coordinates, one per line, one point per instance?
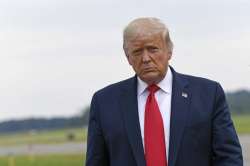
(151, 78)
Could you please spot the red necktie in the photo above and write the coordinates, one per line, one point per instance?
(154, 138)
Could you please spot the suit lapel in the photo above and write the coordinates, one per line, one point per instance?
(129, 109)
(179, 109)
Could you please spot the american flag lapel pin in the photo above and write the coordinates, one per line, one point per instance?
(183, 94)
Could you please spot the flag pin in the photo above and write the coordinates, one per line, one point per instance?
(184, 94)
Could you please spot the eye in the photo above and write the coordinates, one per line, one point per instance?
(153, 49)
(137, 52)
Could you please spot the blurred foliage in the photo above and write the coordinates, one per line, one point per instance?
(40, 124)
(239, 101)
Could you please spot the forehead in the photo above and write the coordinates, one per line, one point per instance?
(146, 39)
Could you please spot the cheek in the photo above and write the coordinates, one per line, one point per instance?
(162, 62)
(135, 63)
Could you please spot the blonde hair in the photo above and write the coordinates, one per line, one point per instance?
(146, 26)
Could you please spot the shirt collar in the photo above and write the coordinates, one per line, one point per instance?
(165, 84)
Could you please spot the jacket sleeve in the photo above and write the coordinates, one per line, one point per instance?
(226, 147)
(97, 154)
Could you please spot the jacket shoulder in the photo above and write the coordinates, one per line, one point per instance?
(200, 83)
(199, 80)
(115, 88)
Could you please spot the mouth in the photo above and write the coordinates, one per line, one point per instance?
(149, 69)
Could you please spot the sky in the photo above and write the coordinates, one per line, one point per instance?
(55, 54)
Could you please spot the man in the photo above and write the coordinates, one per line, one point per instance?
(159, 117)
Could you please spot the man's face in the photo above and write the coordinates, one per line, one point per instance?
(149, 56)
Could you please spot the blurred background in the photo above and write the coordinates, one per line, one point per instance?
(55, 54)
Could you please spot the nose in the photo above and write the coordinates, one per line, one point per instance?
(146, 57)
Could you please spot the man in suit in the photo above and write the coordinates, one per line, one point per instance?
(159, 117)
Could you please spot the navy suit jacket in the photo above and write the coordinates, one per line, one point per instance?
(201, 129)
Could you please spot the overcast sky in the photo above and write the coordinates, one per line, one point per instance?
(55, 54)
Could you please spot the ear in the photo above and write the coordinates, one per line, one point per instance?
(129, 59)
(169, 55)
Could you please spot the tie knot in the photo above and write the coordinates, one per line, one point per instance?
(153, 88)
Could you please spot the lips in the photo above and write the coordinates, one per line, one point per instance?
(149, 69)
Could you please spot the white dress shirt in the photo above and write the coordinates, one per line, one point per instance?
(163, 97)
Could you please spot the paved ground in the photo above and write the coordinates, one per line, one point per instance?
(76, 148)
(245, 143)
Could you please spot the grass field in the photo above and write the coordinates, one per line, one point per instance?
(51, 160)
(242, 123)
(43, 137)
